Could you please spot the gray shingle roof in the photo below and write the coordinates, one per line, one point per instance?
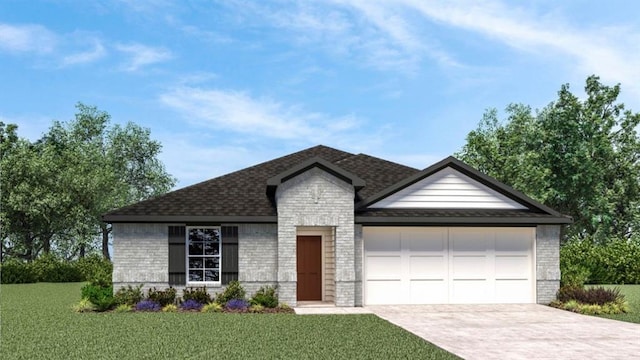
(243, 193)
(242, 196)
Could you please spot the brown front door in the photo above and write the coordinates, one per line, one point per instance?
(309, 268)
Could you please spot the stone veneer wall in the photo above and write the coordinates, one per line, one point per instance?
(140, 255)
(547, 262)
(316, 198)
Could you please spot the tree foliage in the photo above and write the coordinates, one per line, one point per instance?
(55, 189)
(579, 156)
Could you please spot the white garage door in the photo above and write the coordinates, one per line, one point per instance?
(448, 265)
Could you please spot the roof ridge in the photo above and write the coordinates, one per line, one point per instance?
(388, 161)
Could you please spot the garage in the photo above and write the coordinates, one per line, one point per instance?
(449, 265)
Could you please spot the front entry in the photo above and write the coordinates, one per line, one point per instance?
(309, 267)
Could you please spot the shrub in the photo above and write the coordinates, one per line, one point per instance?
(568, 293)
(265, 296)
(101, 278)
(101, 297)
(123, 308)
(170, 308)
(129, 295)
(191, 304)
(49, 268)
(256, 309)
(198, 294)
(92, 265)
(162, 297)
(84, 306)
(237, 304)
(591, 296)
(17, 272)
(233, 291)
(608, 261)
(212, 307)
(594, 309)
(148, 305)
(574, 275)
(600, 296)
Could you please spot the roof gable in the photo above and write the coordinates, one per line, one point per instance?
(274, 181)
(504, 192)
(447, 188)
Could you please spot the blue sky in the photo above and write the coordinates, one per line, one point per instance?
(228, 84)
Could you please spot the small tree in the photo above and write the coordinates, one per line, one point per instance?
(580, 157)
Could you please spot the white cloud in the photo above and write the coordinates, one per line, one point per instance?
(400, 35)
(603, 51)
(370, 33)
(142, 55)
(97, 52)
(50, 48)
(239, 112)
(27, 39)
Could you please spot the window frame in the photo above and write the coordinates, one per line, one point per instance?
(189, 282)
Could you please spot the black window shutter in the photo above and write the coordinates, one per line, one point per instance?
(229, 254)
(177, 266)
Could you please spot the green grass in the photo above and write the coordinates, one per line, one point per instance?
(632, 295)
(37, 323)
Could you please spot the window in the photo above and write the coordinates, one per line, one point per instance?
(204, 255)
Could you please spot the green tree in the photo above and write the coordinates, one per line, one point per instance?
(59, 186)
(581, 157)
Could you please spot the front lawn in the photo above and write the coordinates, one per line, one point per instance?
(36, 322)
(632, 295)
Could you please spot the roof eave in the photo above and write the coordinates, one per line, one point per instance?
(457, 220)
(187, 219)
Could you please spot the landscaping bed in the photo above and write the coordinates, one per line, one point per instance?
(617, 302)
(632, 296)
(37, 322)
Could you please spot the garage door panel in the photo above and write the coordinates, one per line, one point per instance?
(469, 267)
(469, 240)
(513, 291)
(440, 265)
(427, 267)
(429, 292)
(512, 241)
(383, 241)
(384, 292)
(384, 267)
(470, 292)
(425, 240)
(512, 267)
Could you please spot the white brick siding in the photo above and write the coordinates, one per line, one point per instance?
(257, 256)
(140, 255)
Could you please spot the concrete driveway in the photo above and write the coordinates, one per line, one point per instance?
(516, 331)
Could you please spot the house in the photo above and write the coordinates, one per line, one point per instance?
(351, 230)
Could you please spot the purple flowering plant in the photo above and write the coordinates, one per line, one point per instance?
(191, 305)
(148, 305)
(237, 304)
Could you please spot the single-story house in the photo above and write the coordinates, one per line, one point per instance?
(345, 229)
